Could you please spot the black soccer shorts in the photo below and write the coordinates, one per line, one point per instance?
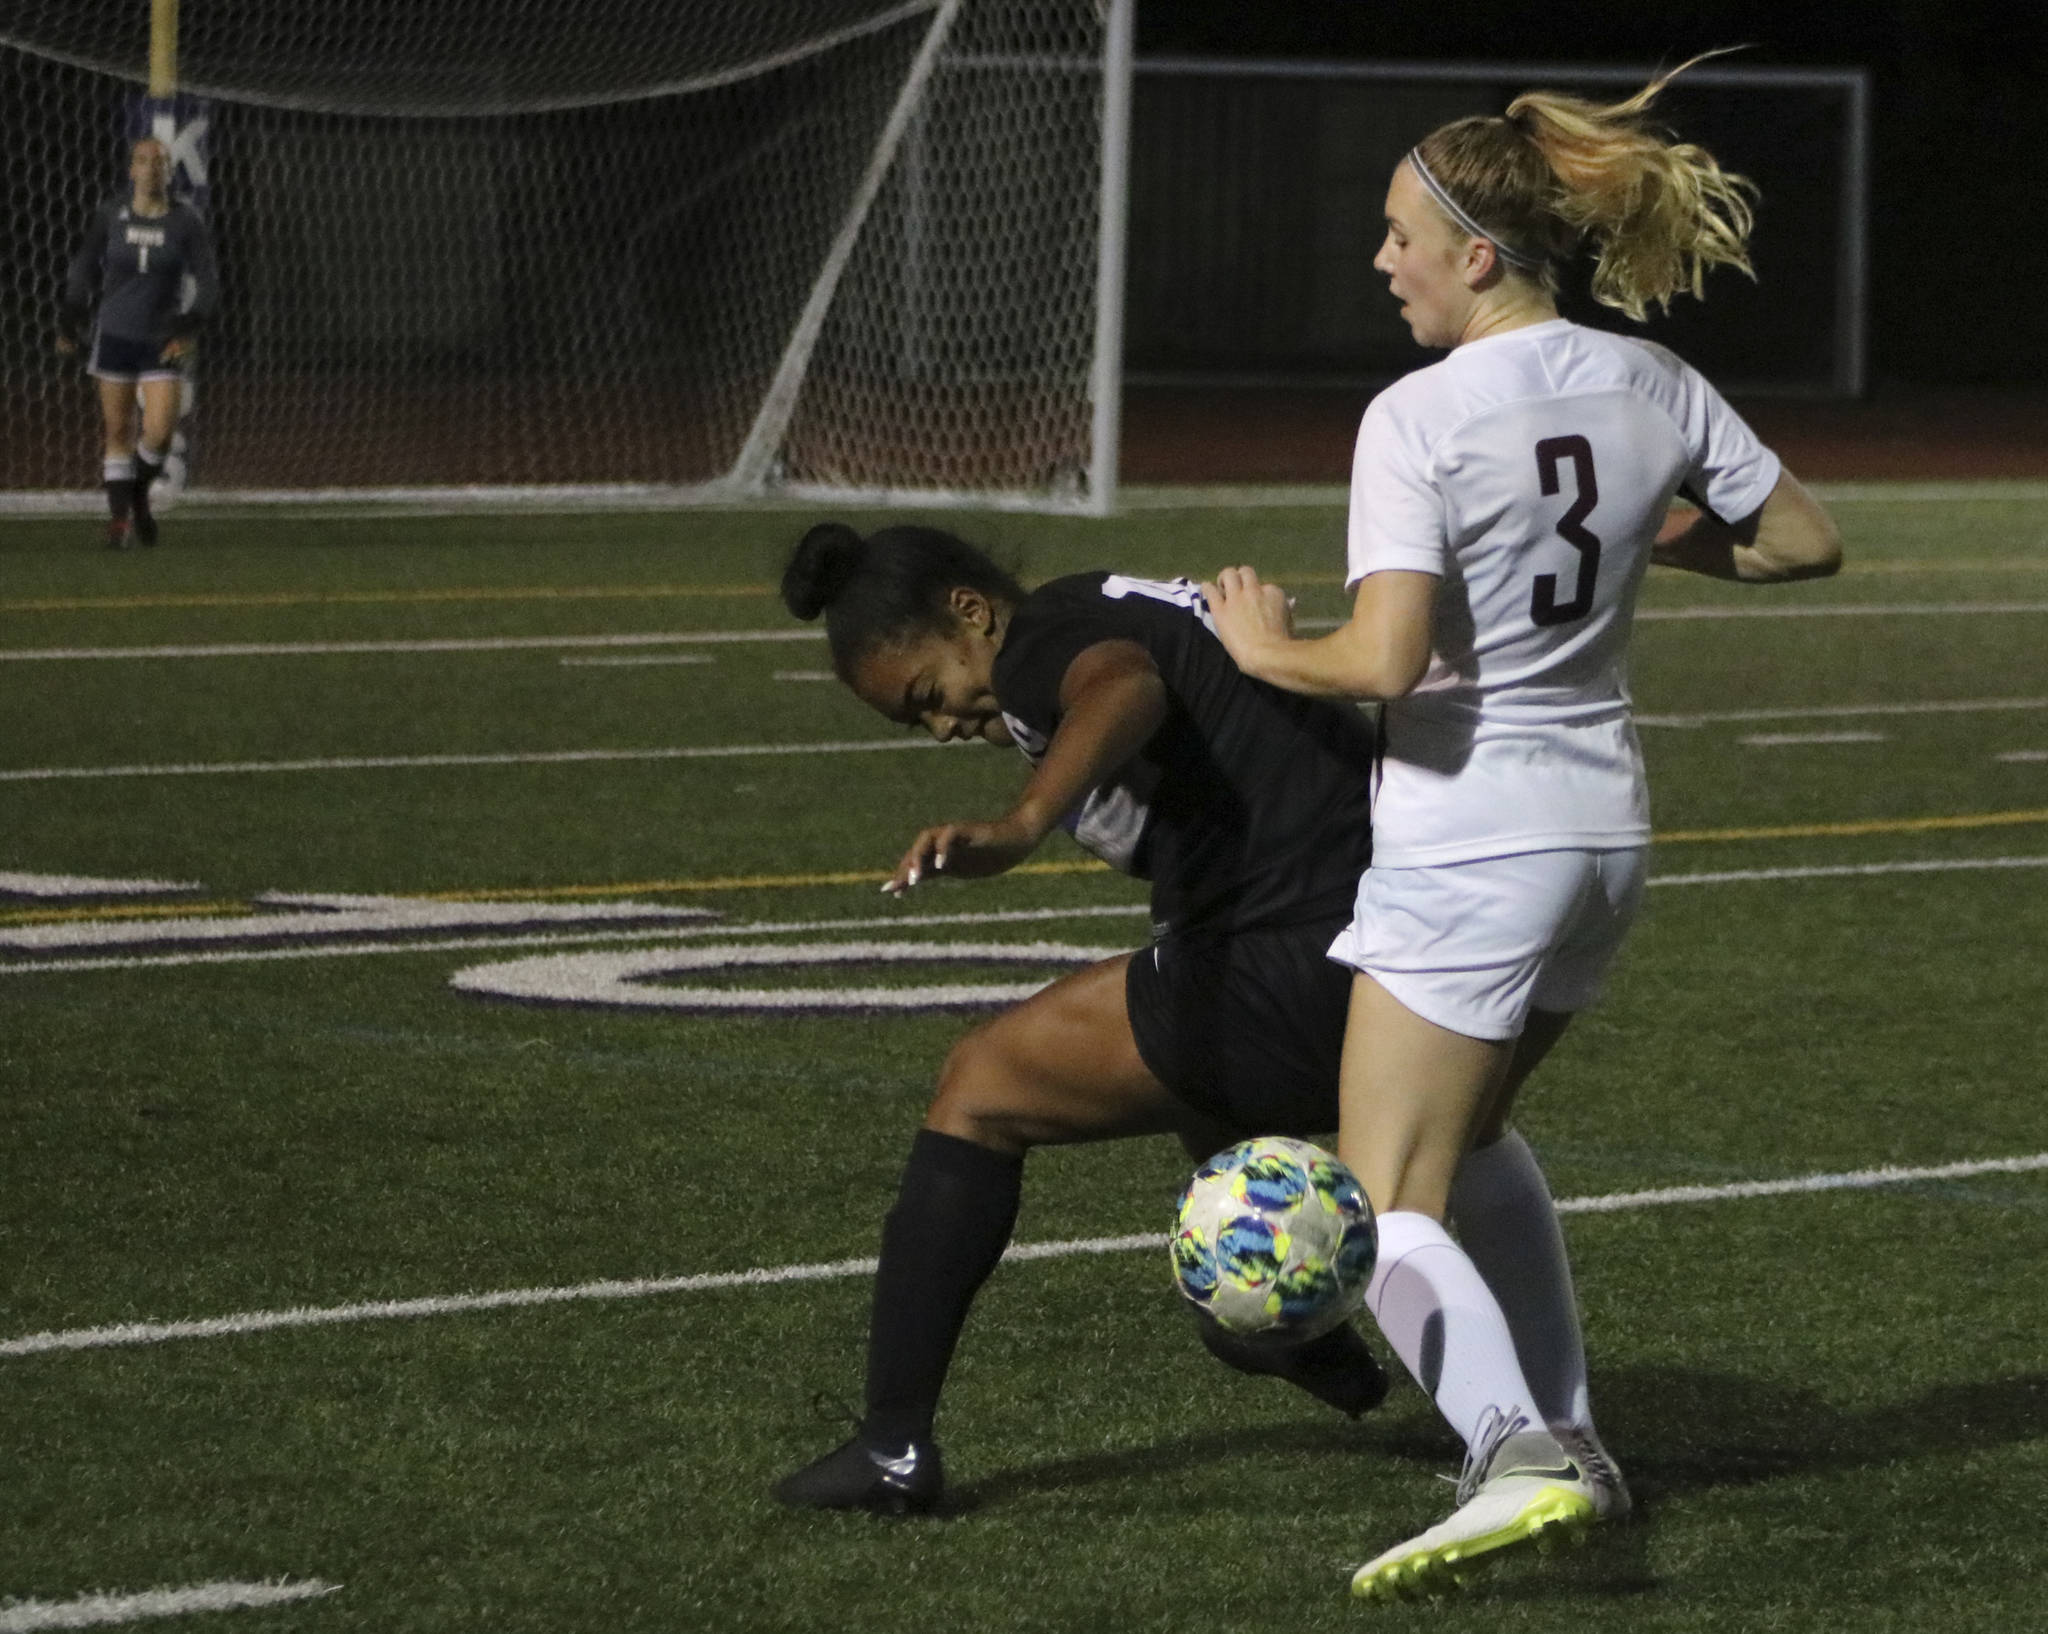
(121, 359)
(1247, 1028)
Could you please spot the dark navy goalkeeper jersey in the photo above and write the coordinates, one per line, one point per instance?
(134, 267)
(1249, 806)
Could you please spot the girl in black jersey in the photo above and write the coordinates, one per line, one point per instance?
(124, 294)
(1246, 807)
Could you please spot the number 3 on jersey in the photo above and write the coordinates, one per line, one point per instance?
(1551, 455)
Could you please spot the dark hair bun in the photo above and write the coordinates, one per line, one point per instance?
(819, 568)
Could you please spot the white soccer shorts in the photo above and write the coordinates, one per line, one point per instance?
(1474, 946)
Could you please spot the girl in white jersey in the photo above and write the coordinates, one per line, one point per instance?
(1505, 503)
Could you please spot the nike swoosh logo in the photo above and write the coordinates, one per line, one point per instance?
(1563, 1472)
(903, 1468)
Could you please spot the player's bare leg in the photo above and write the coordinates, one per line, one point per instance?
(1060, 1068)
(1022, 1081)
(118, 418)
(1413, 1095)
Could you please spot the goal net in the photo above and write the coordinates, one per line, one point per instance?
(827, 248)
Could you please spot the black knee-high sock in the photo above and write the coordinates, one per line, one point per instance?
(955, 1209)
(147, 470)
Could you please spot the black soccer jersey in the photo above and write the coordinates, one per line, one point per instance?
(135, 266)
(1249, 806)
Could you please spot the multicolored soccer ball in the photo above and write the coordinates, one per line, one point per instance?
(1275, 1239)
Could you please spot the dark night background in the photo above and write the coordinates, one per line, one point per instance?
(1959, 128)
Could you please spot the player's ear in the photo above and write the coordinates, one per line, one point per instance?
(1481, 265)
(972, 607)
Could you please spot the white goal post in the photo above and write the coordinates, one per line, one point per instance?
(838, 251)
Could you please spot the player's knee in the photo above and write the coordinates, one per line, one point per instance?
(980, 1095)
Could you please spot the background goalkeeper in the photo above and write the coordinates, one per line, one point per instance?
(138, 292)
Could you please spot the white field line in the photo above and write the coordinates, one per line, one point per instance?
(2020, 757)
(325, 918)
(325, 950)
(317, 649)
(1926, 609)
(43, 774)
(302, 649)
(1135, 497)
(62, 886)
(305, 1316)
(542, 757)
(98, 1610)
(1940, 706)
(647, 658)
(1730, 610)
(878, 922)
(805, 675)
(721, 930)
(1853, 870)
(1802, 1185)
(263, 506)
(1794, 740)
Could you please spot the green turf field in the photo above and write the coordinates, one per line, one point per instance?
(1833, 1404)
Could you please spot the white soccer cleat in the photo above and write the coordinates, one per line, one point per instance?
(1520, 1487)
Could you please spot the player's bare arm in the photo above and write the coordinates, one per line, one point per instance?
(1790, 537)
(1381, 652)
(1112, 700)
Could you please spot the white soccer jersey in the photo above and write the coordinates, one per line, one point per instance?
(1530, 472)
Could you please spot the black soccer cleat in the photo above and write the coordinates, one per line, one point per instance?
(145, 526)
(857, 1476)
(1337, 1368)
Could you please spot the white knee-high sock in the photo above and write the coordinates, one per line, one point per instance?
(1502, 1207)
(1445, 1324)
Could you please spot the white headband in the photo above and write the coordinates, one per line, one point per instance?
(1507, 252)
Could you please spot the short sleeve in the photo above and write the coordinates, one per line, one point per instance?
(1397, 514)
(1732, 472)
(1036, 654)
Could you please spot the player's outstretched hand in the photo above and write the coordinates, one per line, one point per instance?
(1249, 613)
(963, 850)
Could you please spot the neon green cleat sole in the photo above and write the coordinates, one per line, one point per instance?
(1433, 1563)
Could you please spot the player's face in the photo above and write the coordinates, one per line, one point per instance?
(149, 167)
(1423, 258)
(942, 681)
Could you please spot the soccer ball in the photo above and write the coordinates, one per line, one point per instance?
(1274, 1239)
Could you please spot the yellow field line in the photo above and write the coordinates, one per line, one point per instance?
(755, 882)
(737, 882)
(342, 598)
(874, 876)
(130, 910)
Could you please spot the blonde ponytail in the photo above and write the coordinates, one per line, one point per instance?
(1559, 171)
(1659, 213)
